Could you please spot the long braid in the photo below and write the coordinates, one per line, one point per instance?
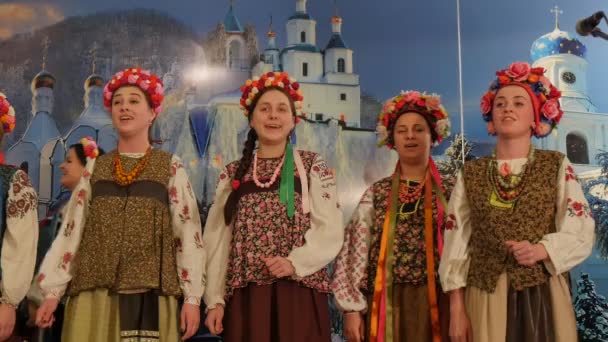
(244, 163)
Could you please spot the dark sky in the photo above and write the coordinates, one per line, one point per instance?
(397, 44)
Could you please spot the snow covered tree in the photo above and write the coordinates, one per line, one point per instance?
(452, 163)
(596, 192)
(591, 311)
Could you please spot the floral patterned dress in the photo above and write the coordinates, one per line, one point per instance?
(262, 228)
(353, 280)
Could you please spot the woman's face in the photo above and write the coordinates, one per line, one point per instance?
(272, 118)
(131, 113)
(513, 112)
(71, 170)
(412, 137)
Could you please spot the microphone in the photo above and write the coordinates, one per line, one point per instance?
(589, 24)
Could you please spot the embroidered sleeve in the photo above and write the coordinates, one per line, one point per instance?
(351, 264)
(573, 241)
(326, 234)
(187, 233)
(54, 274)
(454, 264)
(20, 239)
(216, 238)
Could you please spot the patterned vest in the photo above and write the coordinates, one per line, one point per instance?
(530, 219)
(127, 242)
(409, 266)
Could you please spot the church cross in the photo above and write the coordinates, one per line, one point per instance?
(557, 12)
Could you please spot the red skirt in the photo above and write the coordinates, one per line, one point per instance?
(279, 312)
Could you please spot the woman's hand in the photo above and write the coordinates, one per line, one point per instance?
(190, 320)
(214, 320)
(527, 254)
(354, 327)
(279, 267)
(7, 320)
(44, 315)
(460, 325)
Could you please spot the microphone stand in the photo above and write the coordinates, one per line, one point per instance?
(599, 33)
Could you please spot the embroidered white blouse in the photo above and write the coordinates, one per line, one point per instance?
(570, 245)
(20, 239)
(323, 240)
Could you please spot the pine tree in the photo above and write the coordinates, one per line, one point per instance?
(452, 163)
(599, 204)
(591, 311)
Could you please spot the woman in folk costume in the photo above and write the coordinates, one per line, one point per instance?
(72, 169)
(130, 242)
(518, 222)
(274, 226)
(18, 231)
(385, 277)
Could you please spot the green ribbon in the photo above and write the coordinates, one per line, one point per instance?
(440, 195)
(286, 188)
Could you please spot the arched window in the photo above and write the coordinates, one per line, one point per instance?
(234, 55)
(341, 65)
(303, 37)
(576, 149)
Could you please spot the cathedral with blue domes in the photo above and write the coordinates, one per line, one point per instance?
(582, 133)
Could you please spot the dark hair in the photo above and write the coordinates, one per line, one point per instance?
(434, 135)
(247, 158)
(244, 163)
(82, 158)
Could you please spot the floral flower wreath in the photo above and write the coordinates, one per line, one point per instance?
(413, 101)
(256, 85)
(143, 79)
(544, 96)
(7, 115)
(91, 150)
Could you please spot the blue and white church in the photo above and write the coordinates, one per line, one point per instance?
(583, 132)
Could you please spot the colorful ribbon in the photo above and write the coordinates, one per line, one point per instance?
(381, 320)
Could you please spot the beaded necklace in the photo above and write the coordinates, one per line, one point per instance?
(510, 186)
(124, 179)
(275, 174)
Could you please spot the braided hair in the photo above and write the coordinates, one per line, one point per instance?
(244, 163)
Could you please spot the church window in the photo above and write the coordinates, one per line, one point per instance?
(341, 65)
(234, 55)
(303, 37)
(343, 96)
(576, 149)
(304, 69)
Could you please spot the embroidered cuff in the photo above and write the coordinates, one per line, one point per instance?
(6, 301)
(193, 300)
